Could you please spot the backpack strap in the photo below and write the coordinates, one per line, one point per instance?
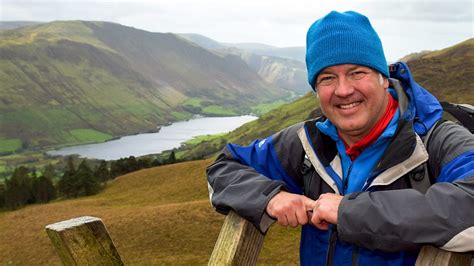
(307, 177)
(464, 113)
(420, 177)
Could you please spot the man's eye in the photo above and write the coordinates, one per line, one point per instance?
(325, 80)
(358, 74)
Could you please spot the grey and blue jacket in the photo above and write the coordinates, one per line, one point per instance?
(382, 219)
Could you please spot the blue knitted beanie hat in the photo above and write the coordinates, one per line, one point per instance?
(343, 38)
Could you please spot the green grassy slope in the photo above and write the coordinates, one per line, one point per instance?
(192, 70)
(158, 216)
(447, 73)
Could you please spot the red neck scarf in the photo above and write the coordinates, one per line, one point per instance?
(356, 149)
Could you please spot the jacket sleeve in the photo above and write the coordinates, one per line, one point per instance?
(407, 219)
(245, 178)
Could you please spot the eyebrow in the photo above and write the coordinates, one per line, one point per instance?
(326, 71)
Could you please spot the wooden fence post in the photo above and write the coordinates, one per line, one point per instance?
(83, 241)
(432, 256)
(239, 243)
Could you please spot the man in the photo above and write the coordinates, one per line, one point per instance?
(358, 179)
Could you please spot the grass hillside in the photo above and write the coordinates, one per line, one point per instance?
(156, 216)
(65, 77)
(202, 40)
(8, 25)
(447, 73)
(57, 81)
(192, 70)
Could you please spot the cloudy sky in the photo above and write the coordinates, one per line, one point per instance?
(403, 26)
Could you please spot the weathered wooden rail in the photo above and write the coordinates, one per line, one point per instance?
(85, 241)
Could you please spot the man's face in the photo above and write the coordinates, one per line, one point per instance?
(353, 98)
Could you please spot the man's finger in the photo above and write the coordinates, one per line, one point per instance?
(292, 220)
(282, 220)
(309, 204)
(317, 221)
(302, 216)
(323, 226)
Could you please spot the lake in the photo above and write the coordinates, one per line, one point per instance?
(169, 137)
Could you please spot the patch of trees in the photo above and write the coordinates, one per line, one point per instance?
(192, 109)
(78, 182)
(25, 187)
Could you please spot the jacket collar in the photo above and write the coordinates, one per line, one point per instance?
(404, 153)
(421, 106)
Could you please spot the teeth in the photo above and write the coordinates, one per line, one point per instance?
(347, 106)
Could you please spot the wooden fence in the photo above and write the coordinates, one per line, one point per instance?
(85, 241)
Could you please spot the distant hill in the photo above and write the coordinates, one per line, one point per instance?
(411, 56)
(158, 216)
(295, 53)
(70, 82)
(447, 73)
(8, 25)
(285, 73)
(275, 65)
(202, 40)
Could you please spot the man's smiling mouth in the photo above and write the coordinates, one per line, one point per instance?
(348, 106)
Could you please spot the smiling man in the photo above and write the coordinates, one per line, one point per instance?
(373, 179)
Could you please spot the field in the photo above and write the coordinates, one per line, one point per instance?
(9, 145)
(265, 107)
(158, 216)
(84, 135)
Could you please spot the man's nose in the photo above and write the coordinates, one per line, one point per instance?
(344, 87)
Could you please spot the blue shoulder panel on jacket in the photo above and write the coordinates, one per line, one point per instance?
(458, 169)
(261, 156)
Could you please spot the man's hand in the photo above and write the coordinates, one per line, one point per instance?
(290, 209)
(325, 210)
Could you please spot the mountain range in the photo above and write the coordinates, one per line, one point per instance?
(68, 82)
(295, 53)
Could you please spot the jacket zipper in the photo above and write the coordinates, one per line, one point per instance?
(333, 237)
(355, 255)
(332, 246)
(346, 180)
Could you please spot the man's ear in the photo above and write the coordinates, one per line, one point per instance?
(385, 83)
